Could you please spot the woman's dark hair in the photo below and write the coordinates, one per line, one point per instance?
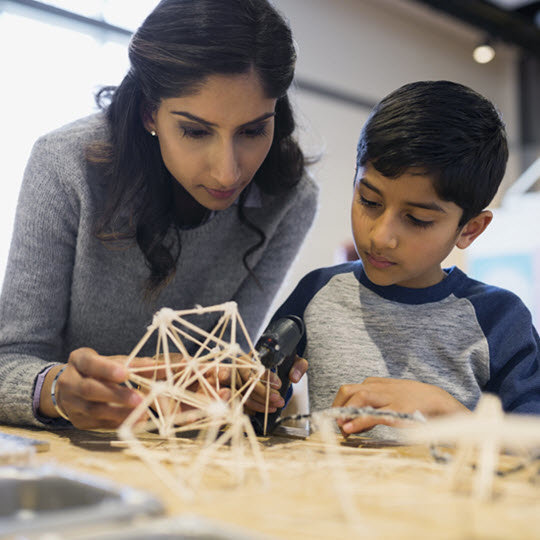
(444, 130)
(179, 45)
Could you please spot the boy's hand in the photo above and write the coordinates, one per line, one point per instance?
(400, 395)
(257, 399)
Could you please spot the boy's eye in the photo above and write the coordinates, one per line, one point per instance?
(368, 203)
(194, 132)
(419, 222)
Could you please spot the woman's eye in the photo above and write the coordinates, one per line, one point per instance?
(194, 133)
(257, 131)
(419, 222)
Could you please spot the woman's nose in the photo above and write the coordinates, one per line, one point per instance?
(226, 166)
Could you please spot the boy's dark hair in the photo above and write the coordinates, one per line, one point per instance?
(178, 46)
(445, 130)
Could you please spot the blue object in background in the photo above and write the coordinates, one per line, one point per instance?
(515, 272)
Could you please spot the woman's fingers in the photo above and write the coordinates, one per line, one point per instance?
(95, 390)
(91, 393)
(89, 363)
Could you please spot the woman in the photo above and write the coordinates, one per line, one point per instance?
(188, 189)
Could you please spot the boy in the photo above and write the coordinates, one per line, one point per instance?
(394, 330)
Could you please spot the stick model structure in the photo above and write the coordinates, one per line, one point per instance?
(479, 438)
(182, 394)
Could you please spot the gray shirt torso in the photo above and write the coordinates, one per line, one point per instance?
(352, 333)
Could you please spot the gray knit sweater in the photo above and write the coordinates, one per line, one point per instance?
(64, 289)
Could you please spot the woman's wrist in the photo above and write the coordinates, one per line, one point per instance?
(46, 404)
(54, 394)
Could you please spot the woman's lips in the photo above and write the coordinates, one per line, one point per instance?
(379, 262)
(219, 194)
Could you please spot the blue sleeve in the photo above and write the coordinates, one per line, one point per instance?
(513, 348)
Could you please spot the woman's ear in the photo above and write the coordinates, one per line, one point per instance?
(147, 117)
(473, 229)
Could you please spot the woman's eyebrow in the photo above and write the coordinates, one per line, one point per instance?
(212, 124)
(259, 119)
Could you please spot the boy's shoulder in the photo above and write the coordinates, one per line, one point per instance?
(495, 307)
(320, 276)
(480, 292)
(311, 284)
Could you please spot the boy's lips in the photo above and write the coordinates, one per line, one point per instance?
(379, 262)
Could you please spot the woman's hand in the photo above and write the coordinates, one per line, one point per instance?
(91, 393)
(89, 390)
(399, 395)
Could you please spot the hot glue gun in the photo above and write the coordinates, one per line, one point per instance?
(277, 351)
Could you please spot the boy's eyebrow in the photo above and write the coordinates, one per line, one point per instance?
(211, 124)
(427, 206)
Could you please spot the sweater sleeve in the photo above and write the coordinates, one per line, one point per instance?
(254, 299)
(514, 351)
(36, 291)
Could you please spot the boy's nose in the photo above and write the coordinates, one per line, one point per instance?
(383, 234)
(225, 166)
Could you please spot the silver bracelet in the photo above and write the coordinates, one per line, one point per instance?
(53, 395)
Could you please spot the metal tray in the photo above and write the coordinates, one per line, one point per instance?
(49, 498)
(184, 527)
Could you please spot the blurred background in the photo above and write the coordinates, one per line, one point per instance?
(56, 54)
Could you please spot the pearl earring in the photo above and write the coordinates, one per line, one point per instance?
(153, 133)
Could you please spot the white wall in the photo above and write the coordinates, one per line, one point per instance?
(369, 48)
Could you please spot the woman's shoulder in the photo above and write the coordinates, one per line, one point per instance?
(305, 197)
(305, 194)
(77, 134)
(60, 155)
(308, 184)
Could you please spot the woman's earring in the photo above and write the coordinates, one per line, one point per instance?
(153, 133)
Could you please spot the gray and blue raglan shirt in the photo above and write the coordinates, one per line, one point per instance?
(460, 334)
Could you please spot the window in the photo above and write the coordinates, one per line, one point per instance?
(51, 66)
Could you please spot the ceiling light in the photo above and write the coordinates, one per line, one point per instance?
(484, 53)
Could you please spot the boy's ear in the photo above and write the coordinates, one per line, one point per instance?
(473, 228)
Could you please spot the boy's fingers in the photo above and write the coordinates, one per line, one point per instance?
(298, 370)
(344, 394)
(351, 395)
(362, 395)
(225, 394)
(357, 425)
(258, 406)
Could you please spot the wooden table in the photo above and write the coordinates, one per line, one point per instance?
(372, 491)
